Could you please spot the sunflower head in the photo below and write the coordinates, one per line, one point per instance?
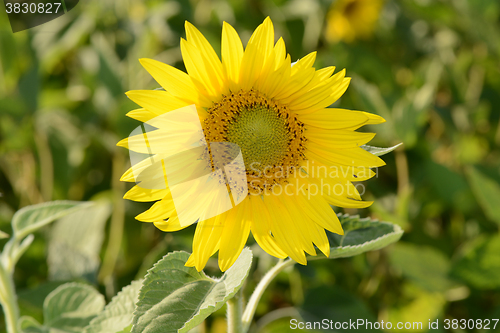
(259, 151)
(349, 20)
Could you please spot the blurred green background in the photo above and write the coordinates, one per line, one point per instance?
(431, 68)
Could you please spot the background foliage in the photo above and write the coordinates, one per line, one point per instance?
(431, 68)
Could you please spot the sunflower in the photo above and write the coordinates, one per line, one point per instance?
(299, 156)
(349, 20)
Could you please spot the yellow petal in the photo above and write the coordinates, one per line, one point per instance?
(349, 156)
(257, 51)
(161, 210)
(261, 228)
(202, 63)
(279, 52)
(156, 101)
(141, 115)
(300, 220)
(174, 81)
(337, 92)
(337, 138)
(319, 238)
(171, 225)
(232, 55)
(320, 212)
(318, 94)
(334, 118)
(301, 74)
(206, 239)
(284, 230)
(234, 236)
(140, 194)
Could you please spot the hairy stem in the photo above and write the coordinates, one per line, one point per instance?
(259, 291)
(234, 312)
(8, 300)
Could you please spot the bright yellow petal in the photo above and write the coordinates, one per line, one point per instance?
(285, 233)
(206, 239)
(142, 115)
(257, 51)
(232, 55)
(318, 94)
(140, 194)
(337, 92)
(279, 52)
(156, 101)
(321, 213)
(234, 236)
(171, 225)
(334, 118)
(202, 63)
(261, 228)
(161, 210)
(174, 81)
(300, 220)
(338, 138)
(351, 156)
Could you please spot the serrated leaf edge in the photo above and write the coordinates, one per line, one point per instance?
(225, 299)
(85, 330)
(396, 231)
(64, 286)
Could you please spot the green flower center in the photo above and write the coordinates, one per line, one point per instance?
(262, 136)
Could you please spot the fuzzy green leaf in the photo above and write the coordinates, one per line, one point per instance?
(31, 218)
(75, 243)
(362, 235)
(118, 314)
(71, 307)
(377, 151)
(175, 298)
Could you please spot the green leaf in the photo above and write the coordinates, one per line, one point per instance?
(426, 266)
(75, 243)
(71, 307)
(362, 235)
(479, 263)
(176, 298)
(118, 314)
(27, 324)
(377, 151)
(31, 218)
(487, 192)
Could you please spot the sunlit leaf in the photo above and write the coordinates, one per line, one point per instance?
(176, 298)
(31, 218)
(75, 243)
(71, 307)
(28, 324)
(377, 151)
(117, 315)
(362, 235)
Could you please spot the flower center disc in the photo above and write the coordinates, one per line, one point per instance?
(262, 136)
(270, 138)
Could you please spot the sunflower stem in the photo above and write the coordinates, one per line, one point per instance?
(234, 311)
(259, 291)
(8, 300)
